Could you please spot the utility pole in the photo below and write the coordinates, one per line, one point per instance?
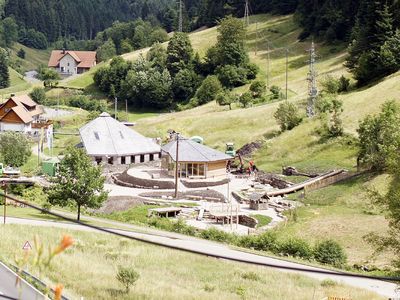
(256, 44)
(5, 203)
(287, 71)
(180, 26)
(116, 107)
(312, 83)
(176, 165)
(246, 14)
(268, 62)
(126, 109)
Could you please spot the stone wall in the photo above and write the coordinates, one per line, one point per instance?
(124, 179)
(202, 184)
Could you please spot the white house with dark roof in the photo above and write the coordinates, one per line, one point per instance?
(196, 161)
(109, 141)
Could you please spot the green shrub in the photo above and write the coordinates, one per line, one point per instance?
(287, 116)
(127, 276)
(209, 288)
(87, 103)
(208, 90)
(276, 92)
(330, 84)
(330, 252)
(214, 234)
(265, 242)
(21, 53)
(344, 84)
(226, 98)
(181, 227)
(246, 99)
(232, 76)
(297, 248)
(38, 95)
(258, 88)
(251, 276)
(328, 283)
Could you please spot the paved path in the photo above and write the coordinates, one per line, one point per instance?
(8, 288)
(212, 249)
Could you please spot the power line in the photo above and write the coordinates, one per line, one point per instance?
(119, 234)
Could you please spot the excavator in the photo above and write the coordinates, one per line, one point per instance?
(237, 163)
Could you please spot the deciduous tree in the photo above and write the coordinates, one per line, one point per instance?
(14, 148)
(78, 182)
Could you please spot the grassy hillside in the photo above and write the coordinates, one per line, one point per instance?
(17, 85)
(33, 57)
(340, 212)
(88, 269)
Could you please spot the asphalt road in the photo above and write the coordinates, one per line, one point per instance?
(8, 288)
(210, 248)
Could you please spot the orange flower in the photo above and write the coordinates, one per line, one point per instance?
(58, 291)
(65, 243)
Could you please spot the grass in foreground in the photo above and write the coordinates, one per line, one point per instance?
(89, 268)
(342, 212)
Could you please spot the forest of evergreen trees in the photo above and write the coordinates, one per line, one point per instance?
(370, 27)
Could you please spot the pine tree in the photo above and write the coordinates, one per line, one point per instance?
(179, 53)
(4, 72)
(373, 28)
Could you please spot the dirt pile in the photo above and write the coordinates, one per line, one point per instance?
(272, 180)
(248, 149)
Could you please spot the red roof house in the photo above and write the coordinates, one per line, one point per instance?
(72, 62)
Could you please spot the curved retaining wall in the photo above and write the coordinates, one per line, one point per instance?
(124, 179)
(202, 184)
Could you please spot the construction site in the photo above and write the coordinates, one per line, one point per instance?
(240, 198)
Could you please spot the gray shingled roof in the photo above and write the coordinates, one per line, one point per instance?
(105, 136)
(190, 151)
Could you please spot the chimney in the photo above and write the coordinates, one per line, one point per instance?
(63, 51)
(12, 95)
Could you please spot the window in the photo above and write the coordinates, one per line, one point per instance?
(96, 135)
(142, 158)
(98, 160)
(68, 64)
(202, 170)
(62, 69)
(151, 157)
(132, 159)
(122, 136)
(123, 160)
(111, 160)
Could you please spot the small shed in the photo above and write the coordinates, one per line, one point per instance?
(50, 166)
(196, 161)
